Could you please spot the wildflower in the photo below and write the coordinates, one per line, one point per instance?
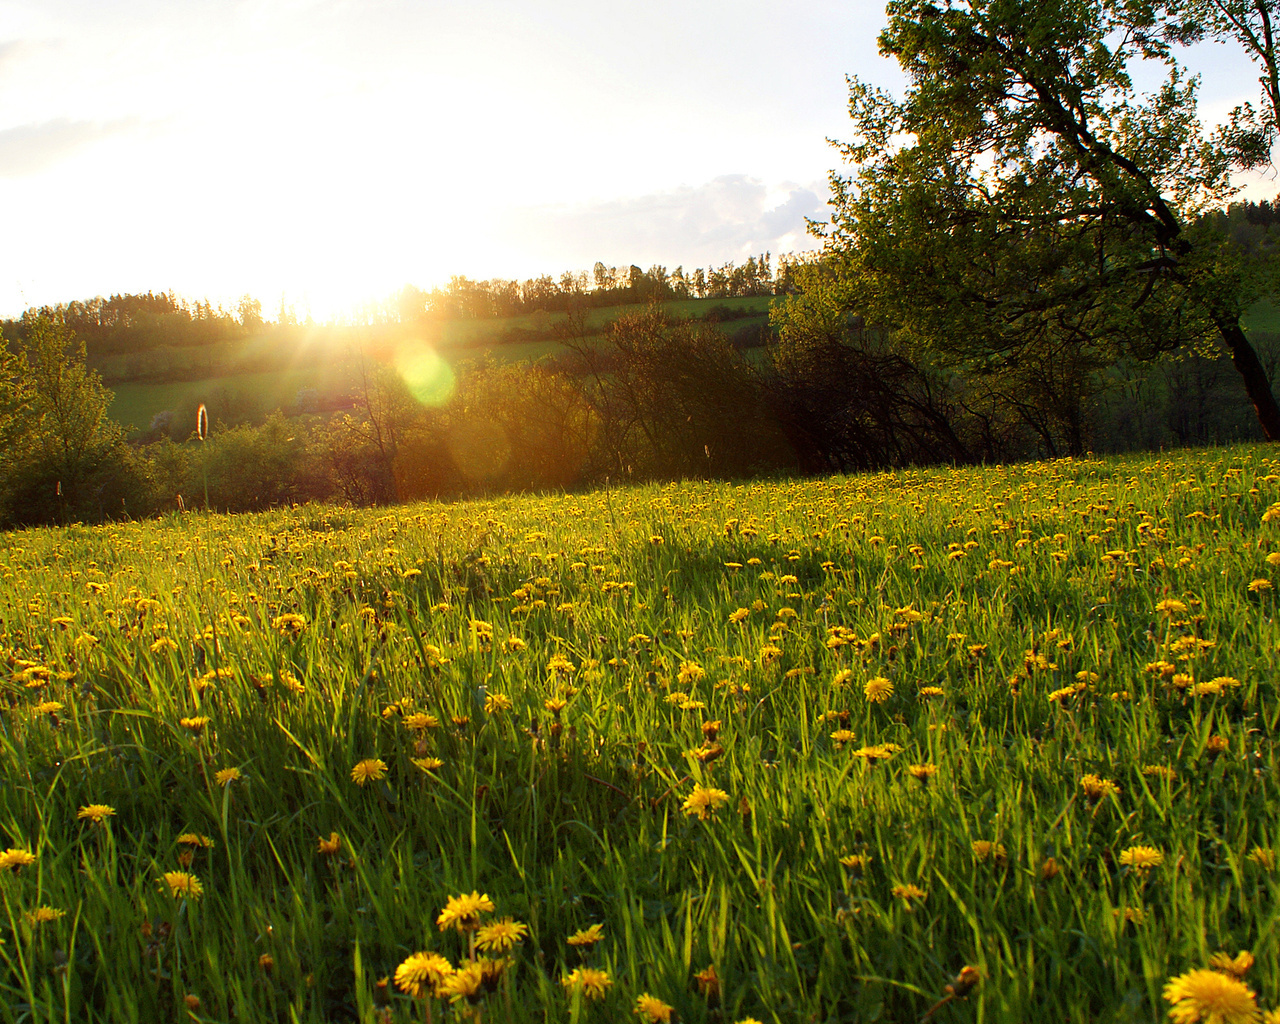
(422, 973)
(501, 936)
(1259, 586)
(922, 772)
(1141, 858)
(420, 722)
(1095, 787)
(1237, 966)
(708, 982)
(690, 673)
(463, 912)
(371, 769)
(329, 847)
(497, 702)
(464, 983)
(592, 983)
(704, 801)
(427, 764)
(13, 858)
(856, 863)
(290, 624)
(738, 615)
(1206, 995)
(770, 653)
(878, 690)
(1159, 771)
(1171, 606)
(908, 892)
(653, 1009)
(183, 884)
(226, 776)
(95, 813)
(1264, 857)
(196, 725)
(1049, 869)
(44, 915)
(587, 936)
(983, 848)
(194, 839)
(926, 692)
(47, 707)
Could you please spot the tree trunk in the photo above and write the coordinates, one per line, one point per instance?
(1256, 384)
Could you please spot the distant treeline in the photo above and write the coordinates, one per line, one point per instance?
(143, 322)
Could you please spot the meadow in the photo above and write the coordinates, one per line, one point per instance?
(780, 751)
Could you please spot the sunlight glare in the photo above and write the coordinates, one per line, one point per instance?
(425, 372)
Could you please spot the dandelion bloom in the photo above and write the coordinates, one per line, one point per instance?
(1049, 869)
(704, 801)
(196, 725)
(738, 614)
(587, 936)
(984, 849)
(183, 884)
(926, 692)
(329, 847)
(420, 721)
(708, 982)
(427, 764)
(497, 702)
(194, 839)
(878, 690)
(96, 813)
(1141, 858)
(1095, 787)
(226, 776)
(1264, 857)
(592, 983)
(464, 983)
(44, 915)
(463, 912)
(855, 863)
(1171, 606)
(1206, 995)
(922, 772)
(421, 973)
(908, 892)
(1237, 966)
(500, 936)
(13, 858)
(371, 769)
(1259, 586)
(653, 1009)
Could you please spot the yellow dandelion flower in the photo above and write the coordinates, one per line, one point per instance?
(495, 703)
(463, 912)
(704, 801)
(95, 813)
(984, 849)
(196, 725)
(1095, 787)
(856, 863)
(587, 936)
(592, 983)
(44, 915)
(1171, 606)
(371, 769)
(226, 776)
(194, 839)
(922, 772)
(1259, 586)
(464, 983)
(1212, 997)
(329, 847)
(421, 974)
(421, 722)
(13, 858)
(183, 884)
(427, 764)
(1237, 966)
(500, 936)
(908, 892)
(738, 615)
(878, 690)
(652, 1009)
(1141, 858)
(1264, 857)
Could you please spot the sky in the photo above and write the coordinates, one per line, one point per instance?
(324, 153)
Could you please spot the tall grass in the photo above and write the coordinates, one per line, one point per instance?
(309, 637)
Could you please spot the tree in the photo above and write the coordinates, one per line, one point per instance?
(1023, 198)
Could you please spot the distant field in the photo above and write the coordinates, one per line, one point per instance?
(323, 360)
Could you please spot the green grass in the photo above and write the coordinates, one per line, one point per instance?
(1000, 586)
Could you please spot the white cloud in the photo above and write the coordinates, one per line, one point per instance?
(33, 148)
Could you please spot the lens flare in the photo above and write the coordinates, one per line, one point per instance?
(425, 372)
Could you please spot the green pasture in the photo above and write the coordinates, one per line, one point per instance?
(802, 750)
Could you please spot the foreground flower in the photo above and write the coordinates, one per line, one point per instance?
(501, 935)
(878, 690)
(1095, 787)
(653, 1009)
(593, 984)
(371, 769)
(183, 884)
(1141, 858)
(95, 813)
(422, 973)
(1205, 995)
(704, 801)
(463, 912)
(13, 858)
(464, 983)
(226, 776)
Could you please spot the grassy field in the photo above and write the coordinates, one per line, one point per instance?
(321, 359)
(803, 751)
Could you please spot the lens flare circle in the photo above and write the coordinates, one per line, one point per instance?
(426, 373)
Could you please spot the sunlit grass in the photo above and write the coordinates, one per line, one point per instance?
(836, 739)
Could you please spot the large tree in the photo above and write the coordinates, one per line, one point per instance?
(1022, 197)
